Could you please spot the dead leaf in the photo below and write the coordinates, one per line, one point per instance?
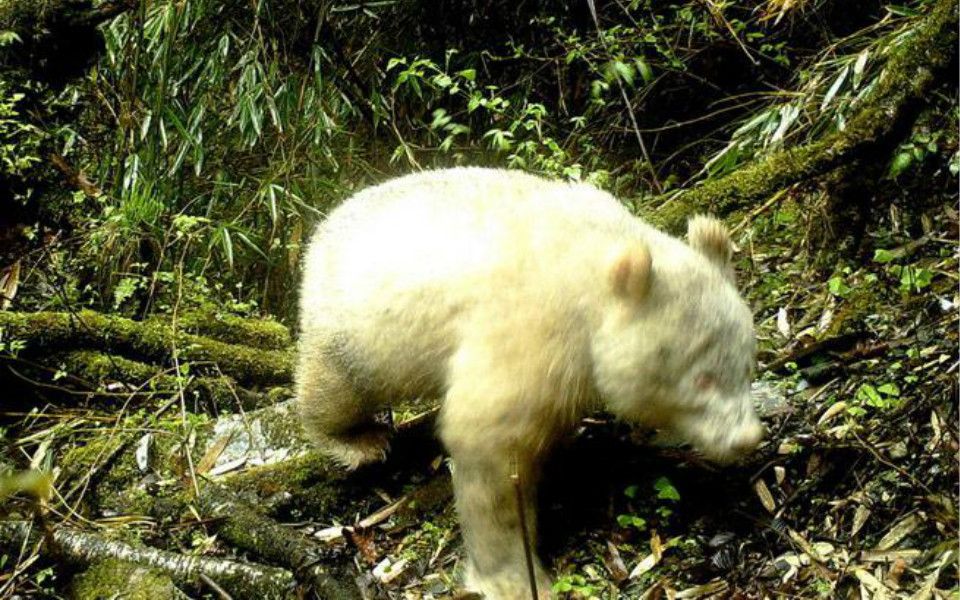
(383, 514)
(826, 318)
(814, 551)
(213, 453)
(780, 474)
(899, 531)
(615, 564)
(657, 591)
(936, 436)
(860, 517)
(888, 556)
(363, 540)
(228, 466)
(716, 586)
(814, 464)
(832, 411)
(783, 322)
(871, 583)
(142, 454)
(9, 283)
(787, 447)
(656, 546)
(648, 562)
(330, 534)
(766, 498)
(896, 571)
(387, 572)
(929, 583)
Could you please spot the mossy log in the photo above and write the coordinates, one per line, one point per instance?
(112, 578)
(912, 70)
(312, 484)
(259, 333)
(244, 528)
(109, 468)
(151, 340)
(209, 393)
(241, 580)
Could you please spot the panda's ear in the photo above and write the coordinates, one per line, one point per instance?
(631, 272)
(710, 238)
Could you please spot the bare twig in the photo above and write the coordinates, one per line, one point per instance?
(213, 585)
(515, 478)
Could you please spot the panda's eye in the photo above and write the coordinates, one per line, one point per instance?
(705, 382)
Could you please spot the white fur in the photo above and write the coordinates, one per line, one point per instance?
(525, 303)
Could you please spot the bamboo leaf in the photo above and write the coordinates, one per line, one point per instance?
(835, 87)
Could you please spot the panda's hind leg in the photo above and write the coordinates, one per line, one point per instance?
(336, 417)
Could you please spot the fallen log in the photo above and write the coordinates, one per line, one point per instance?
(241, 580)
(258, 333)
(112, 578)
(246, 529)
(152, 340)
(117, 373)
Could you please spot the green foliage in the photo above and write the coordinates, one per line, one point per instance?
(665, 490)
(830, 90)
(909, 278)
(838, 286)
(472, 113)
(19, 141)
(574, 584)
(914, 151)
(10, 345)
(912, 279)
(218, 133)
(882, 398)
(632, 521)
(216, 143)
(883, 256)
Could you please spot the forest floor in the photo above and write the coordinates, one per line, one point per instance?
(853, 494)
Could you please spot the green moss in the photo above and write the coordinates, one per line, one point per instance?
(279, 394)
(219, 394)
(233, 330)
(427, 501)
(244, 527)
(99, 366)
(154, 340)
(746, 186)
(106, 465)
(112, 578)
(296, 473)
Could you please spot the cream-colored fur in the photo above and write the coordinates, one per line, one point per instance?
(523, 303)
